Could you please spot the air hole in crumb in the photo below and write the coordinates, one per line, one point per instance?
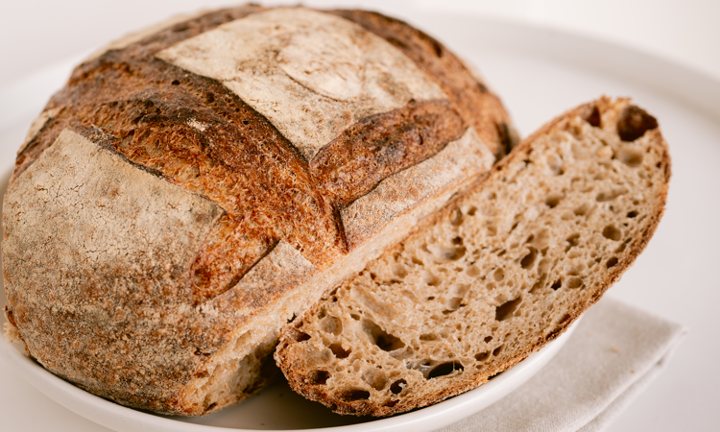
(339, 351)
(505, 310)
(445, 369)
(300, 336)
(632, 214)
(554, 162)
(471, 211)
(355, 394)
(398, 386)
(356, 317)
(529, 259)
(391, 403)
(400, 271)
(454, 254)
(457, 240)
(556, 285)
(594, 117)
(499, 274)
(611, 195)
(319, 377)
(175, 82)
(553, 200)
(634, 122)
(488, 339)
(375, 378)
(582, 210)
(630, 157)
(211, 406)
(379, 337)
(428, 337)
(482, 356)
(572, 241)
(574, 282)
(612, 262)
(473, 271)
(497, 350)
(612, 233)
(331, 324)
(456, 217)
(454, 303)
(431, 279)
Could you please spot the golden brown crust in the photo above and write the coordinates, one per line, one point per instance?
(309, 368)
(470, 96)
(383, 145)
(192, 133)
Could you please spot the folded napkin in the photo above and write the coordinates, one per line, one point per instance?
(616, 351)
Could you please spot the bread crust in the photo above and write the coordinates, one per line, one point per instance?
(273, 242)
(310, 348)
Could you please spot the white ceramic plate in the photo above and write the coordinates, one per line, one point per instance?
(262, 411)
(539, 73)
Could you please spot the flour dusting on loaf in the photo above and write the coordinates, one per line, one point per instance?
(311, 74)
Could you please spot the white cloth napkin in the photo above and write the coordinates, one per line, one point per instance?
(616, 351)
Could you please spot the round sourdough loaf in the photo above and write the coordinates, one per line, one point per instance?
(197, 184)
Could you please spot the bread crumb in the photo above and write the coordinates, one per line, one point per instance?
(605, 152)
(615, 350)
(11, 332)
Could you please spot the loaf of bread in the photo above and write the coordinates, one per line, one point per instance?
(196, 185)
(501, 271)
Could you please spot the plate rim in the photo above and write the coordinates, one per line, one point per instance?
(99, 410)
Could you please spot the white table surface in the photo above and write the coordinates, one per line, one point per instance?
(35, 34)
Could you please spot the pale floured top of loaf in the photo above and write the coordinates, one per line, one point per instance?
(311, 74)
(496, 275)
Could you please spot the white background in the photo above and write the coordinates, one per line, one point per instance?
(34, 34)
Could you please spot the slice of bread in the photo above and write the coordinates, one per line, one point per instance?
(500, 272)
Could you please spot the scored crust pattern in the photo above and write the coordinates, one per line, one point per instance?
(311, 74)
(149, 110)
(273, 201)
